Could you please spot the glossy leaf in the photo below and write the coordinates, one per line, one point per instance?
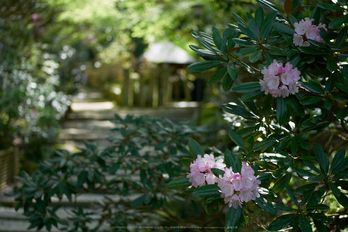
(322, 158)
(210, 190)
(267, 24)
(231, 161)
(282, 183)
(218, 76)
(247, 87)
(304, 224)
(282, 110)
(236, 138)
(232, 219)
(195, 148)
(203, 65)
(339, 156)
(255, 56)
(227, 83)
(281, 222)
(337, 22)
(282, 28)
(328, 6)
(265, 205)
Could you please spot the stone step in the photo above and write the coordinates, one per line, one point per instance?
(89, 124)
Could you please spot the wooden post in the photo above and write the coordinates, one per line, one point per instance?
(154, 88)
(142, 96)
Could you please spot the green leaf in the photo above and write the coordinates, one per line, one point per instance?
(342, 113)
(282, 183)
(227, 83)
(259, 17)
(138, 201)
(312, 51)
(217, 172)
(114, 168)
(328, 6)
(282, 28)
(281, 222)
(341, 37)
(313, 87)
(218, 76)
(320, 226)
(237, 139)
(310, 100)
(322, 158)
(247, 87)
(268, 5)
(265, 205)
(337, 22)
(231, 161)
(244, 43)
(282, 110)
(334, 189)
(210, 190)
(342, 199)
(232, 219)
(237, 110)
(255, 56)
(291, 194)
(244, 51)
(239, 20)
(339, 156)
(232, 71)
(252, 95)
(318, 206)
(186, 162)
(203, 65)
(304, 224)
(331, 64)
(254, 28)
(217, 37)
(296, 106)
(195, 148)
(267, 24)
(264, 144)
(179, 183)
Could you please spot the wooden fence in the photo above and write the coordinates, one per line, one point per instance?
(9, 166)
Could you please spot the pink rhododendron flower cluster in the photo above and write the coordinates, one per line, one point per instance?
(280, 81)
(305, 30)
(200, 170)
(237, 188)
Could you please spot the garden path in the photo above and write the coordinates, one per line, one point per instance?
(88, 119)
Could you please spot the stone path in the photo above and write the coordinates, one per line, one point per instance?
(89, 120)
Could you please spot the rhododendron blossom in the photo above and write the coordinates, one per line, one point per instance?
(200, 170)
(304, 30)
(237, 188)
(280, 81)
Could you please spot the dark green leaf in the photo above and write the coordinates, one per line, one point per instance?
(264, 144)
(138, 201)
(320, 226)
(334, 189)
(313, 87)
(227, 83)
(255, 56)
(291, 194)
(328, 6)
(311, 166)
(114, 168)
(252, 95)
(322, 158)
(265, 205)
(268, 5)
(337, 22)
(331, 64)
(312, 51)
(341, 37)
(232, 219)
(232, 71)
(282, 183)
(342, 199)
(195, 148)
(259, 17)
(281, 222)
(211, 190)
(203, 65)
(237, 139)
(310, 100)
(282, 28)
(267, 24)
(339, 156)
(247, 87)
(231, 161)
(244, 51)
(318, 206)
(217, 172)
(244, 43)
(304, 224)
(217, 37)
(186, 162)
(281, 110)
(218, 76)
(179, 183)
(254, 28)
(342, 113)
(296, 106)
(239, 20)
(237, 110)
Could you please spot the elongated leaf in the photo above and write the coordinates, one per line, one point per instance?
(318, 206)
(231, 161)
(114, 168)
(217, 172)
(282, 28)
(320, 226)
(267, 24)
(186, 162)
(281, 110)
(342, 113)
(211, 190)
(237, 110)
(337, 22)
(313, 87)
(244, 43)
(232, 71)
(203, 65)
(282, 183)
(264, 144)
(227, 83)
(247, 87)
(296, 106)
(259, 17)
(291, 194)
(304, 224)
(337, 160)
(312, 51)
(322, 158)
(254, 28)
(232, 219)
(255, 56)
(195, 148)
(218, 76)
(268, 5)
(281, 222)
(328, 6)
(252, 95)
(334, 189)
(265, 205)
(310, 100)
(217, 37)
(341, 37)
(342, 199)
(236, 138)
(239, 20)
